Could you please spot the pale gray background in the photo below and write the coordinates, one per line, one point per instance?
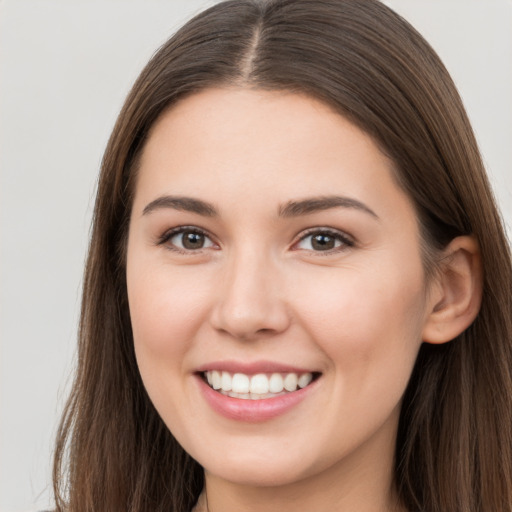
(65, 67)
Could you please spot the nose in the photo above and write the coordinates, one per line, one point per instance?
(251, 300)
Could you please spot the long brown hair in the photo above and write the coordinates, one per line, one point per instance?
(454, 444)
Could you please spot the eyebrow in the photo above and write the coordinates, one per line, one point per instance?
(290, 209)
(187, 204)
(316, 204)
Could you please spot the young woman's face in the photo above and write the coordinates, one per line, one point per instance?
(269, 246)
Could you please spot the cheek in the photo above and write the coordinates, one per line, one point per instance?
(166, 308)
(368, 323)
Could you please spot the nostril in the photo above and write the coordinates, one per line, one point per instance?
(265, 331)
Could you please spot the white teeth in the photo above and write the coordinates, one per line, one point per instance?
(290, 382)
(226, 381)
(305, 379)
(256, 386)
(216, 380)
(259, 384)
(276, 384)
(240, 383)
(247, 396)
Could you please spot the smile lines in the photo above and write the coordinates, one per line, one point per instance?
(256, 387)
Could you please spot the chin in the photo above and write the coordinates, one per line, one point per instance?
(265, 475)
(269, 464)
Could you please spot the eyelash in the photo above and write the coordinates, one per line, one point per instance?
(168, 235)
(346, 241)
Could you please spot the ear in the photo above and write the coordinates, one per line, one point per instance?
(455, 294)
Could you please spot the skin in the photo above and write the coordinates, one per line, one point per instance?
(259, 290)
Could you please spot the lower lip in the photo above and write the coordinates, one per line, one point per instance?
(253, 410)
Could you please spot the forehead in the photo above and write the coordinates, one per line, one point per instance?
(245, 117)
(237, 143)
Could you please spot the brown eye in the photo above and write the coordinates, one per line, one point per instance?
(189, 240)
(192, 240)
(324, 241)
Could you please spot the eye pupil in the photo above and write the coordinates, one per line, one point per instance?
(321, 242)
(192, 240)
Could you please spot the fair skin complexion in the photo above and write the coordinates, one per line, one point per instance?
(222, 269)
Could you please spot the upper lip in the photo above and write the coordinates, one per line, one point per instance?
(251, 368)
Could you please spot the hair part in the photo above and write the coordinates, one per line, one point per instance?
(454, 444)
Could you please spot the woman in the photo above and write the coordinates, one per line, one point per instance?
(298, 285)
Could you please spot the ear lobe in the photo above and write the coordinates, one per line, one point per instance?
(456, 293)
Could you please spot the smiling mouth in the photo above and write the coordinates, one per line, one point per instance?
(259, 386)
